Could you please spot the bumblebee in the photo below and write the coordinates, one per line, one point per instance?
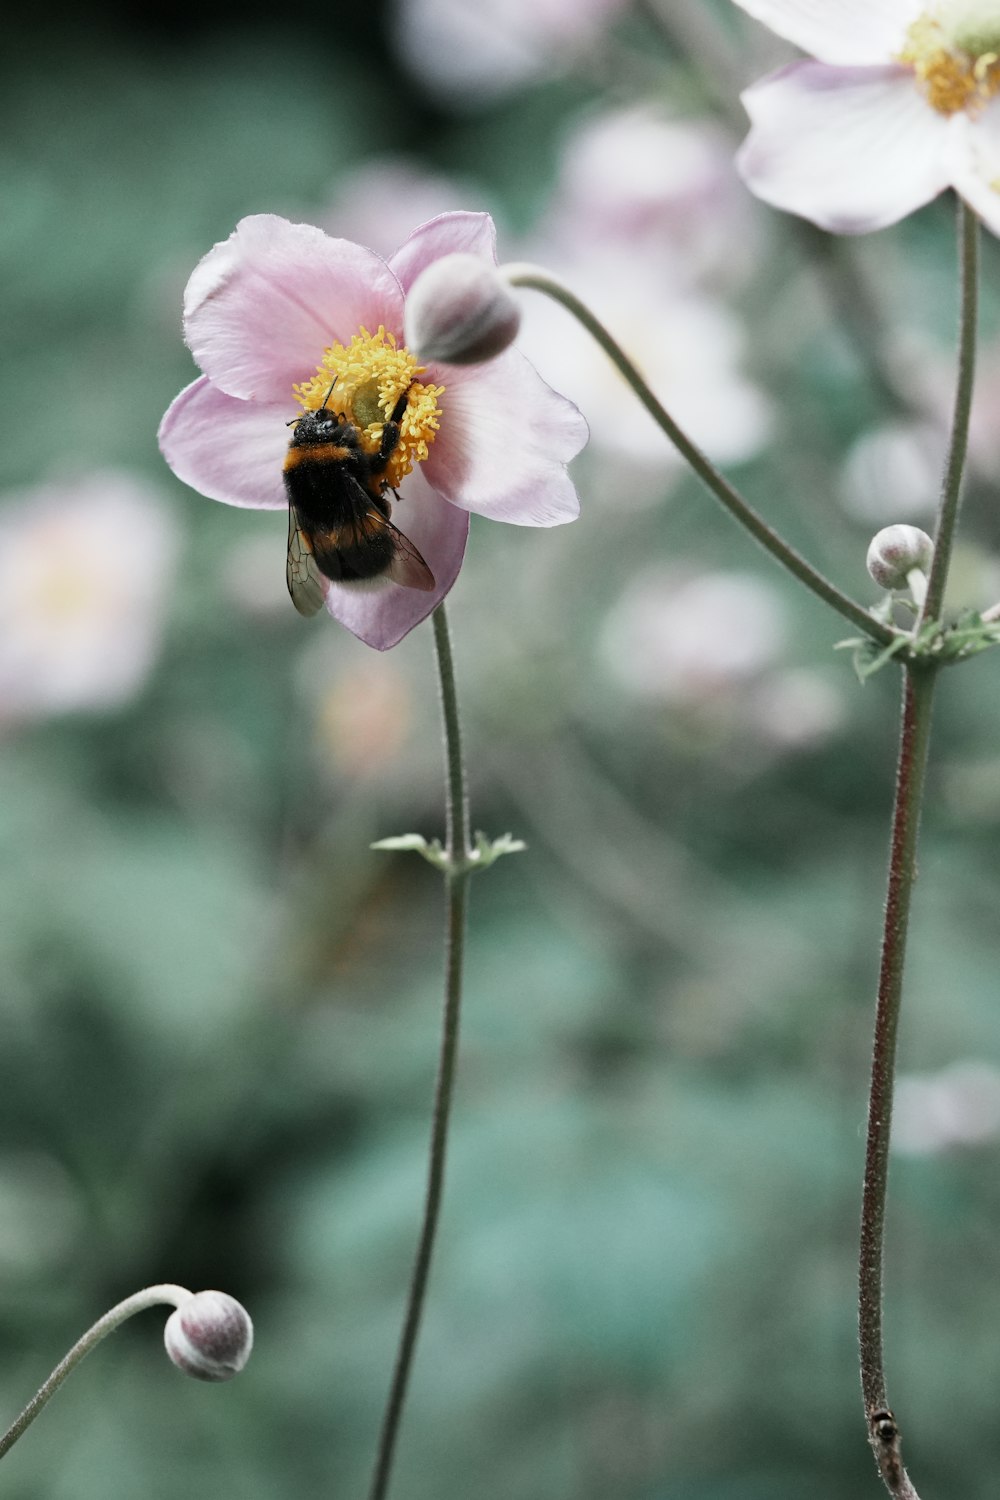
(338, 516)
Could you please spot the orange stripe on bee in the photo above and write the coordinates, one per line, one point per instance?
(322, 453)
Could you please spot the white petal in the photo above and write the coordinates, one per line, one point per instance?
(975, 163)
(853, 149)
(839, 31)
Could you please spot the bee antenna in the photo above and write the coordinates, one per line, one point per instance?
(328, 394)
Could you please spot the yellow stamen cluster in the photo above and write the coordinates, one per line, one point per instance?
(368, 376)
(951, 75)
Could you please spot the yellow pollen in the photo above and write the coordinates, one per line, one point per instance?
(951, 77)
(368, 376)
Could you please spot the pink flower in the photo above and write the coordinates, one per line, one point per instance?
(902, 102)
(473, 53)
(81, 619)
(281, 314)
(656, 186)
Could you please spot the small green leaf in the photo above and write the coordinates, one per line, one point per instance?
(488, 851)
(485, 852)
(415, 843)
(402, 841)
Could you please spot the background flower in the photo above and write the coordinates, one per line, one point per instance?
(471, 54)
(85, 571)
(900, 104)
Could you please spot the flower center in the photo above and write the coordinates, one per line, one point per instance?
(954, 50)
(368, 376)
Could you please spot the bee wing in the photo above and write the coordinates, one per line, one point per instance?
(340, 551)
(407, 566)
(304, 579)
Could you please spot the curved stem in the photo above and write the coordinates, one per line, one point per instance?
(151, 1296)
(742, 511)
(918, 696)
(951, 493)
(456, 903)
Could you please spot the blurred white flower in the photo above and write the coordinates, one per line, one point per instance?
(688, 347)
(637, 178)
(377, 203)
(957, 1106)
(797, 709)
(471, 53)
(901, 102)
(893, 470)
(689, 638)
(84, 571)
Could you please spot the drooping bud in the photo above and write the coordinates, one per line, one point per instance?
(896, 552)
(209, 1336)
(460, 311)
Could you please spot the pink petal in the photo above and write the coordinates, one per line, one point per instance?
(382, 615)
(261, 307)
(975, 163)
(839, 31)
(853, 149)
(504, 442)
(448, 234)
(226, 449)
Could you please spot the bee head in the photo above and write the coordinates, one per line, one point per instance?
(320, 426)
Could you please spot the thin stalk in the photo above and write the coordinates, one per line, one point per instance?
(726, 493)
(151, 1296)
(918, 693)
(456, 881)
(951, 494)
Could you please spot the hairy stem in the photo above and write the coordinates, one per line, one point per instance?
(918, 695)
(151, 1296)
(456, 903)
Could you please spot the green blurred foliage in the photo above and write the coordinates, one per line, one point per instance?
(220, 1009)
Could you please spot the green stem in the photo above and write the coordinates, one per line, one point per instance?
(918, 696)
(542, 281)
(951, 493)
(151, 1296)
(456, 904)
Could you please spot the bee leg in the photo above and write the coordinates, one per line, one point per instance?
(390, 435)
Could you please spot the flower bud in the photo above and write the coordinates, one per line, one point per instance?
(460, 311)
(209, 1336)
(896, 552)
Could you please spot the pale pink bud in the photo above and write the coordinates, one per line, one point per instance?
(209, 1336)
(460, 311)
(896, 552)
